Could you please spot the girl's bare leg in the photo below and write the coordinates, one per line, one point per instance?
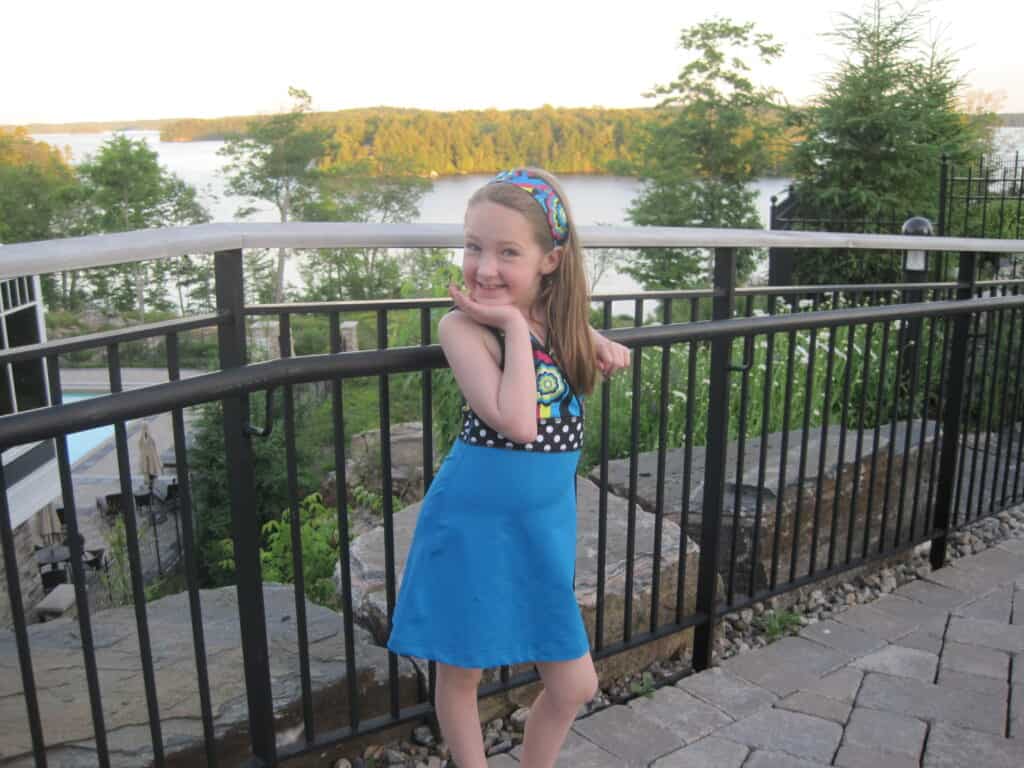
(568, 685)
(457, 713)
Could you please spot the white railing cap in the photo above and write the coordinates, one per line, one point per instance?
(46, 256)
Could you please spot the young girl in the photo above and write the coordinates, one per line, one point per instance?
(489, 576)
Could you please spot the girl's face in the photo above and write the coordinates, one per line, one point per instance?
(502, 263)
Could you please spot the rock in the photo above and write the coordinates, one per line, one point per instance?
(423, 735)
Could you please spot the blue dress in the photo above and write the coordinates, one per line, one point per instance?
(489, 575)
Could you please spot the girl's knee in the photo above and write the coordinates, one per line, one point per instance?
(572, 692)
(459, 677)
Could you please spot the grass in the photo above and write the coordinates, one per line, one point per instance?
(776, 624)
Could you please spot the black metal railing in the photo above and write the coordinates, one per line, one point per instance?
(933, 366)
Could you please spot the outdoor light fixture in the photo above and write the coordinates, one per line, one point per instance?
(916, 260)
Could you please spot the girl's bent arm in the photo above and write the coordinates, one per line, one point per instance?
(505, 399)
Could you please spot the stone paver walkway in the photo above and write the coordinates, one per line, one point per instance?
(931, 675)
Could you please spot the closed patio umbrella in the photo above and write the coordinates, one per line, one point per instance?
(149, 456)
(149, 465)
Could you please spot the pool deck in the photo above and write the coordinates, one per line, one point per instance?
(95, 474)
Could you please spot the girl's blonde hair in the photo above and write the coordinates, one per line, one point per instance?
(564, 295)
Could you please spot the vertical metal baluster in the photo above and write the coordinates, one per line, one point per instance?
(427, 411)
(958, 494)
(893, 422)
(714, 475)
(191, 567)
(879, 399)
(805, 431)
(338, 418)
(384, 406)
(78, 574)
(427, 402)
(602, 504)
(28, 683)
(851, 331)
(741, 440)
(907, 439)
(291, 465)
(1002, 417)
(826, 408)
(979, 422)
(1020, 444)
(762, 460)
(659, 503)
(244, 525)
(988, 424)
(684, 507)
(634, 437)
(138, 583)
(914, 505)
(947, 340)
(951, 415)
(858, 455)
(783, 456)
(1013, 407)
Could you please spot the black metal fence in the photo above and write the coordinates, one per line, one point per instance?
(928, 375)
(980, 199)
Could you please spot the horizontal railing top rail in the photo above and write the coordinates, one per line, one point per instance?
(46, 256)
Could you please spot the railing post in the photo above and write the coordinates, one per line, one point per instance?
(951, 413)
(714, 470)
(244, 523)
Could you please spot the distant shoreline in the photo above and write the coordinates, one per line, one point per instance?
(1006, 120)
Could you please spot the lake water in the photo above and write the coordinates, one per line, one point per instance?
(595, 199)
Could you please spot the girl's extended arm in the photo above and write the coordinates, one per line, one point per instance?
(505, 399)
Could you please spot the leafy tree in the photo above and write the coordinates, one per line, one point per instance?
(358, 192)
(125, 188)
(277, 160)
(710, 141)
(39, 200)
(36, 185)
(210, 491)
(873, 140)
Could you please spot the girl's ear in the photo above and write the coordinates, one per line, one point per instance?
(549, 262)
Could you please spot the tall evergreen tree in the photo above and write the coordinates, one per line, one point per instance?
(872, 142)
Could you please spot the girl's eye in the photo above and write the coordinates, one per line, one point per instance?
(471, 247)
(510, 252)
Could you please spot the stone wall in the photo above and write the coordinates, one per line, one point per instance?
(64, 700)
(795, 513)
(28, 575)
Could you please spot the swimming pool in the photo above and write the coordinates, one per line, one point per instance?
(80, 443)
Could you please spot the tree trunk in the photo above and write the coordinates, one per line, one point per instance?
(140, 290)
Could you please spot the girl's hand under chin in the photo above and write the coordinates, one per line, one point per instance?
(495, 315)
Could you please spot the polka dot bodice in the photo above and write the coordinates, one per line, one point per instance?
(559, 412)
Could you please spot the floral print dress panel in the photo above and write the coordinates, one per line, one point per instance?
(559, 409)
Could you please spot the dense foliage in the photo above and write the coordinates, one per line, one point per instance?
(591, 140)
(873, 140)
(711, 139)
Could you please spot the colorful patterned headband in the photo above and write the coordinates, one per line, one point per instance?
(544, 194)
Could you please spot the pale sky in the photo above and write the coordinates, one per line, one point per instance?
(69, 60)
